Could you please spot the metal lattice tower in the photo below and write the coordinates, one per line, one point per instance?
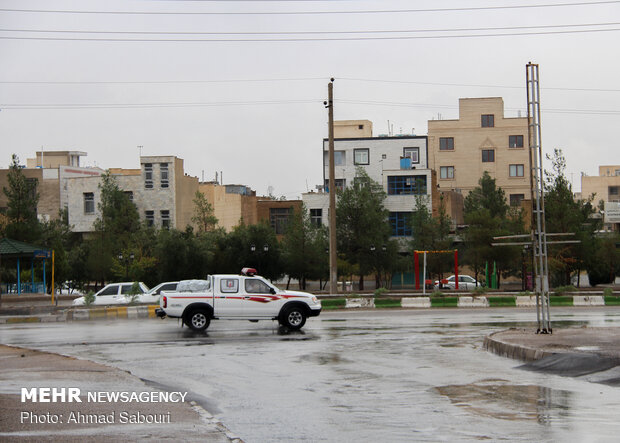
(539, 235)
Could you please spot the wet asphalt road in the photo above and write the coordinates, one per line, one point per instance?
(402, 375)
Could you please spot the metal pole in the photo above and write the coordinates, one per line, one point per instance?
(424, 276)
(333, 253)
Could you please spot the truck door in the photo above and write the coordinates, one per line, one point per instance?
(228, 299)
(259, 300)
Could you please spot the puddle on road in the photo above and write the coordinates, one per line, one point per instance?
(324, 358)
(502, 400)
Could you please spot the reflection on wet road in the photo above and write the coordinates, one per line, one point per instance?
(355, 376)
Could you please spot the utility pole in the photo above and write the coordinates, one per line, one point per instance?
(539, 234)
(333, 253)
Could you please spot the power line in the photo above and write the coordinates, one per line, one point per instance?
(385, 31)
(68, 106)
(379, 11)
(283, 40)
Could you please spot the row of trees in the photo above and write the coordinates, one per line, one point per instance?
(124, 248)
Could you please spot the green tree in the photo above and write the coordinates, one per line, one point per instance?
(564, 214)
(487, 215)
(115, 227)
(22, 201)
(303, 249)
(203, 213)
(362, 222)
(432, 234)
(56, 235)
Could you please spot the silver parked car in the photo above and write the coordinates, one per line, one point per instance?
(466, 283)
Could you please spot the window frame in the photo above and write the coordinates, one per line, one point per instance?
(164, 175)
(414, 150)
(446, 143)
(487, 120)
(316, 216)
(448, 175)
(517, 167)
(490, 156)
(516, 144)
(400, 223)
(148, 176)
(407, 185)
(357, 151)
(164, 215)
(279, 219)
(89, 201)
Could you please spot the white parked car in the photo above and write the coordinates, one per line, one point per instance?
(246, 296)
(152, 296)
(466, 283)
(114, 294)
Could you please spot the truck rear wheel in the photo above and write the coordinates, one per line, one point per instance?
(198, 320)
(293, 317)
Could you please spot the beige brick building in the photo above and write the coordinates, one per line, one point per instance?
(605, 187)
(481, 139)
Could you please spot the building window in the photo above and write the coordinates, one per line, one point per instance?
(340, 184)
(516, 199)
(148, 175)
(129, 195)
(165, 218)
(516, 170)
(413, 154)
(488, 155)
(163, 174)
(515, 141)
(446, 172)
(316, 217)
(407, 185)
(89, 203)
(488, 120)
(360, 127)
(361, 157)
(339, 158)
(446, 143)
(614, 191)
(150, 218)
(279, 219)
(400, 223)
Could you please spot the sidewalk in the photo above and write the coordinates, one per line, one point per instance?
(96, 422)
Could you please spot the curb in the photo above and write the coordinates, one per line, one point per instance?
(513, 351)
(82, 314)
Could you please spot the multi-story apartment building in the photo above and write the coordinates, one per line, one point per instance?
(606, 188)
(400, 164)
(481, 139)
(50, 169)
(160, 190)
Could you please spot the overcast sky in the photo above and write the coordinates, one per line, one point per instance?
(253, 108)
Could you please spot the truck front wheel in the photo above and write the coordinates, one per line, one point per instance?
(198, 320)
(293, 317)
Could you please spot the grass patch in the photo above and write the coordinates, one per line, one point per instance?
(333, 303)
(612, 300)
(502, 301)
(558, 300)
(387, 303)
(444, 302)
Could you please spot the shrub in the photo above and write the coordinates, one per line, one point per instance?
(562, 289)
(608, 292)
(437, 293)
(380, 291)
(480, 290)
(525, 293)
(89, 297)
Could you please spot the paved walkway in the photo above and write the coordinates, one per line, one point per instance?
(30, 421)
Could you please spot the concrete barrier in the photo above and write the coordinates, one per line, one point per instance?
(359, 303)
(415, 302)
(588, 300)
(473, 302)
(525, 301)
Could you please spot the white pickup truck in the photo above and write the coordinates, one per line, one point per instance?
(245, 296)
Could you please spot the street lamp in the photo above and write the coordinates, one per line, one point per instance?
(125, 261)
